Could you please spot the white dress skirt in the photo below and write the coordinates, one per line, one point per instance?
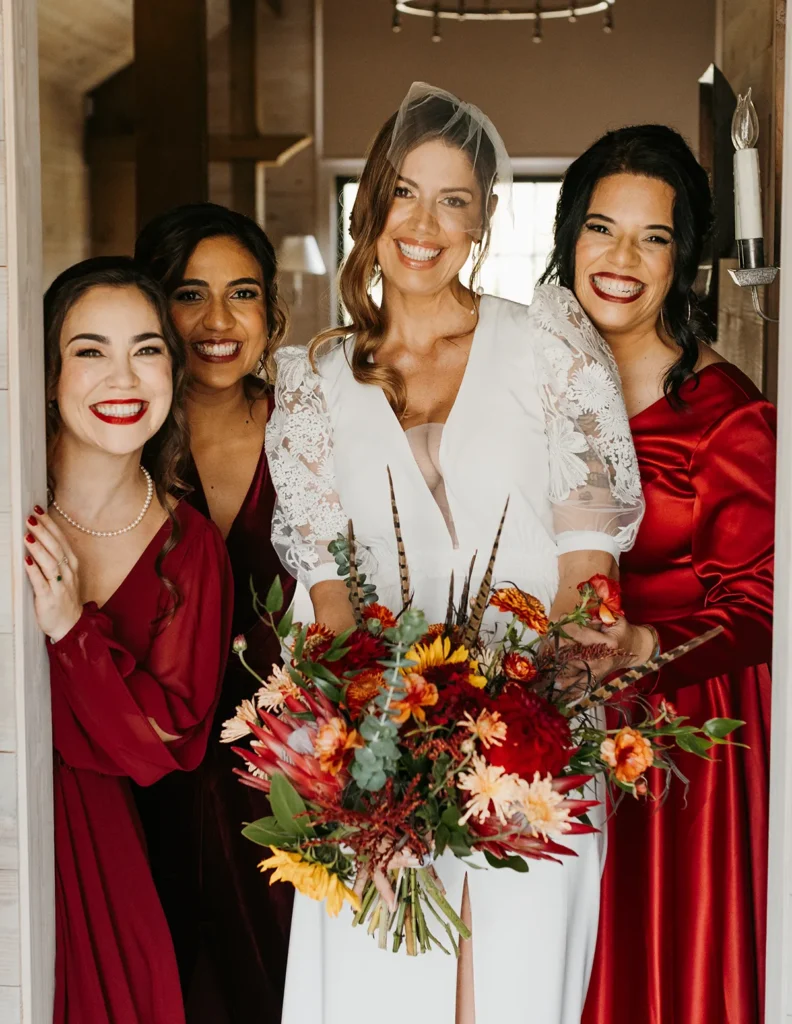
(539, 419)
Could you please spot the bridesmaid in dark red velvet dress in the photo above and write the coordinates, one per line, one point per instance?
(230, 928)
(682, 929)
(133, 592)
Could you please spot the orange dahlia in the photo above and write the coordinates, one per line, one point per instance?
(362, 690)
(386, 617)
(526, 608)
(518, 668)
(628, 753)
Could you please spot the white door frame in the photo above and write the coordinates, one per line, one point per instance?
(27, 906)
(779, 908)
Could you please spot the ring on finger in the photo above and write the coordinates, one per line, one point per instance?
(63, 561)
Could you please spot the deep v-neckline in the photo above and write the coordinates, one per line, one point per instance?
(142, 557)
(198, 497)
(404, 442)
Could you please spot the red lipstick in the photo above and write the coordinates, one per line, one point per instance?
(120, 419)
(608, 296)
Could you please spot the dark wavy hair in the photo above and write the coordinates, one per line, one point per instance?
(165, 454)
(167, 242)
(656, 151)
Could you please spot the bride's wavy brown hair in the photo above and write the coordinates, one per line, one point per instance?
(368, 321)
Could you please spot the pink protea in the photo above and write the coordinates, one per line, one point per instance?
(287, 745)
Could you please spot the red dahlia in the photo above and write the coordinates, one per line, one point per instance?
(537, 737)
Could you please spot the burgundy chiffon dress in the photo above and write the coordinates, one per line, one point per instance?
(682, 927)
(118, 667)
(230, 928)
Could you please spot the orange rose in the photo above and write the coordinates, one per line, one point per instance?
(628, 754)
(602, 597)
(521, 669)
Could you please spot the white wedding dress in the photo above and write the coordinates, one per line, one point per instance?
(539, 418)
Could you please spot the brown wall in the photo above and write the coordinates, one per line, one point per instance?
(547, 100)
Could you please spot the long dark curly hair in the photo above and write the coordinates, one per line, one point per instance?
(656, 151)
(167, 242)
(165, 454)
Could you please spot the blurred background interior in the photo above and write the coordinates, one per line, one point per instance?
(268, 106)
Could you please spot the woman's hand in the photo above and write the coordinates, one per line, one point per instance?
(51, 566)
(636, 642)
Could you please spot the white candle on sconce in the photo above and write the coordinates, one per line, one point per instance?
(747, 185)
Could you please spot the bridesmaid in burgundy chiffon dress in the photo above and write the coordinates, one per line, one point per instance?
(230, 928)
(138, 618)
(682, 926)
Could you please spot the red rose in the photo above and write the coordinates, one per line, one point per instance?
(602, 597)
(537, 734)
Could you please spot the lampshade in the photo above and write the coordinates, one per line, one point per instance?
(299, 254)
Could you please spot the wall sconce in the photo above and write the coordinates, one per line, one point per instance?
(748, 205)
(298, 255)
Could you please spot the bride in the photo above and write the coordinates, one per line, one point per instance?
(467, 400)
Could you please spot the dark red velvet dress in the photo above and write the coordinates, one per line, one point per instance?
(230, 928)
(116, 669)
(682, 928)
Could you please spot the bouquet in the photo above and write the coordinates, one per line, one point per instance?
(390, 744)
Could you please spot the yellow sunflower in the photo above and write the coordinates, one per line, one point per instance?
(311, 879)
(437, 653)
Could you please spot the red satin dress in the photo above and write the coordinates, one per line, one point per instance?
(682, 926)
(114, 670)
(230, 928)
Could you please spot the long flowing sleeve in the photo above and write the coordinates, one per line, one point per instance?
(104, 698)
(733, 474)
(308, 512)
(595, 484)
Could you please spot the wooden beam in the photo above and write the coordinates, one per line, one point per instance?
(242, 92)
(171, 104)
(276, 6)
(270, 150)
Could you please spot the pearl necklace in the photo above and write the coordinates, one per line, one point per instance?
(114, 533)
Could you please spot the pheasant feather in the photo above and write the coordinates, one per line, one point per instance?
(404, 573)
(604, 693)
(482, 598)
(356, 596)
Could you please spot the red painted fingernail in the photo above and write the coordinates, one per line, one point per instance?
(30, 538)
(29, 560)
(32, 521)
(38, 510)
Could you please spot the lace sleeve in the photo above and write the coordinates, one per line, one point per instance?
(299, 443)
(595, 485)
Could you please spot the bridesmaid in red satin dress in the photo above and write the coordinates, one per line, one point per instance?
(230, 928)
(682, 927)
(133, 592)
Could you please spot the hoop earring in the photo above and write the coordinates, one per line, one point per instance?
(689, 311)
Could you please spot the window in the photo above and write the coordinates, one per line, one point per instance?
(518, 251)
